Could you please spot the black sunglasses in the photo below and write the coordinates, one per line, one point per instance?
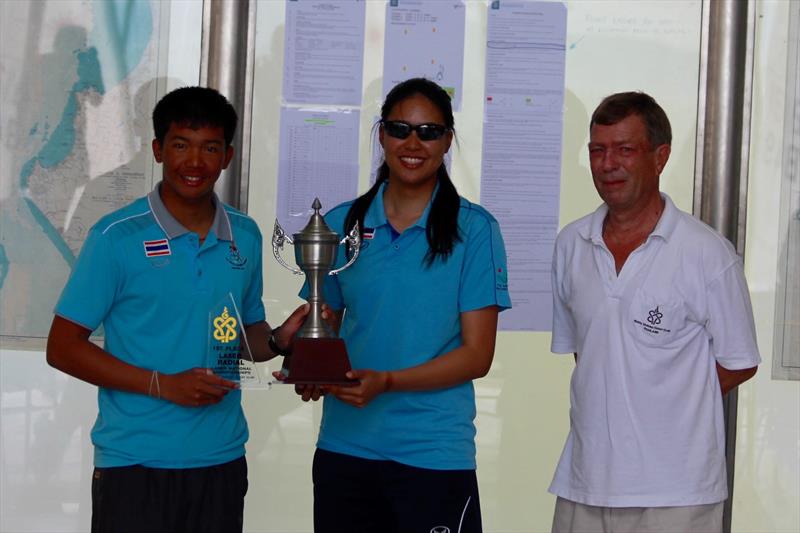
(425, 132)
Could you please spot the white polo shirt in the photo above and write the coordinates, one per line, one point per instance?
(646, 422)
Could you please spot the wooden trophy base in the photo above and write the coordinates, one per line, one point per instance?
(319, 362)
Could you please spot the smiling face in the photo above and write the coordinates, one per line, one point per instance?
(625, 167)
(412, 162)
(192, 161)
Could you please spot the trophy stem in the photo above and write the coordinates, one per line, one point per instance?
(315, 327)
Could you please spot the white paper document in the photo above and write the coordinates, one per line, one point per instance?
(521, 165)
(318, 159)
(323, 52)
(425, 39)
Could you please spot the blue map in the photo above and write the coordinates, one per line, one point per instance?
(75, 151)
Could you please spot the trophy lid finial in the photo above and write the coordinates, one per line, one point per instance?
(316, 230)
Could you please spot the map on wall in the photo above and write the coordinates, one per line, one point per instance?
(79, 81)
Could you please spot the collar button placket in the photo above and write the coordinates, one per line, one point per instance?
(608, 273)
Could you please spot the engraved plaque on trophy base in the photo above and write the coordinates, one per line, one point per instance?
(319, 362)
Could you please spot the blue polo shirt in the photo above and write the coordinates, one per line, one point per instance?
(151, 284)
(399, 314)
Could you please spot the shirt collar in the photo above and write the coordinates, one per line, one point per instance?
(664, 228)
(669, 218)
(221, 226)
(376, 213)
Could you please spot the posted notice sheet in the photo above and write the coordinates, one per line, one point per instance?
(522, 129)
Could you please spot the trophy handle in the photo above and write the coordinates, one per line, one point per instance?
(278, 238)
(353, 240)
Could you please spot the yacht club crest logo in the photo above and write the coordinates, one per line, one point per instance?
(655, 316)
(235, 258)
(652, 323)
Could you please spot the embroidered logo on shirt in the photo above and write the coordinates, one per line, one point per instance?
(501, 279)
(235, 258)
(654, 317)
(225, 327)
(369, 233)
(156, 248)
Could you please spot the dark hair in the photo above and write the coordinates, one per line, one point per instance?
(619, 106)
(195, 107)
(442, 228)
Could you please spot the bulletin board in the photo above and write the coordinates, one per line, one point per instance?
(523, 403)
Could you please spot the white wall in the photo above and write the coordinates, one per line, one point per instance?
(767, 483)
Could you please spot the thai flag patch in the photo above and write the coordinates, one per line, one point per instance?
(156, 248)
(369, 233)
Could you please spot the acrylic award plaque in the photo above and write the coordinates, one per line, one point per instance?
(229, 355)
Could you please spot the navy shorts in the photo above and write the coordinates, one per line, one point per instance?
(355, 495)
(133, 499)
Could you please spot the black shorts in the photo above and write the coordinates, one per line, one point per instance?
(136, 499)
(354, 495)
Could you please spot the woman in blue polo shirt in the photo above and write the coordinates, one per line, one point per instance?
(418, 312)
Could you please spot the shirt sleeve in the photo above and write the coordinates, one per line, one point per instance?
(92, 286)
(253, 305)
(484, 277)
(730, 320)
(563, 338)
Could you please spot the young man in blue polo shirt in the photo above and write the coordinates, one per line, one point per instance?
(170, 434)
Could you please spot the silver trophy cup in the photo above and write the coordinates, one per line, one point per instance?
(318, 356)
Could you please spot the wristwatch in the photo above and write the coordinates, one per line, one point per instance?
(273, 344)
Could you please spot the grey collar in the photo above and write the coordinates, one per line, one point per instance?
(172, 228)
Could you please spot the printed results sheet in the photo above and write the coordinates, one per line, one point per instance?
(318, 159)
(324, 52)
(322, 90)
(522, 130)
(425, 39)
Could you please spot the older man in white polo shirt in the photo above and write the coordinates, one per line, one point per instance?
(655, 307)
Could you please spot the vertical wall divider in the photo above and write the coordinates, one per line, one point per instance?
(723, 149)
